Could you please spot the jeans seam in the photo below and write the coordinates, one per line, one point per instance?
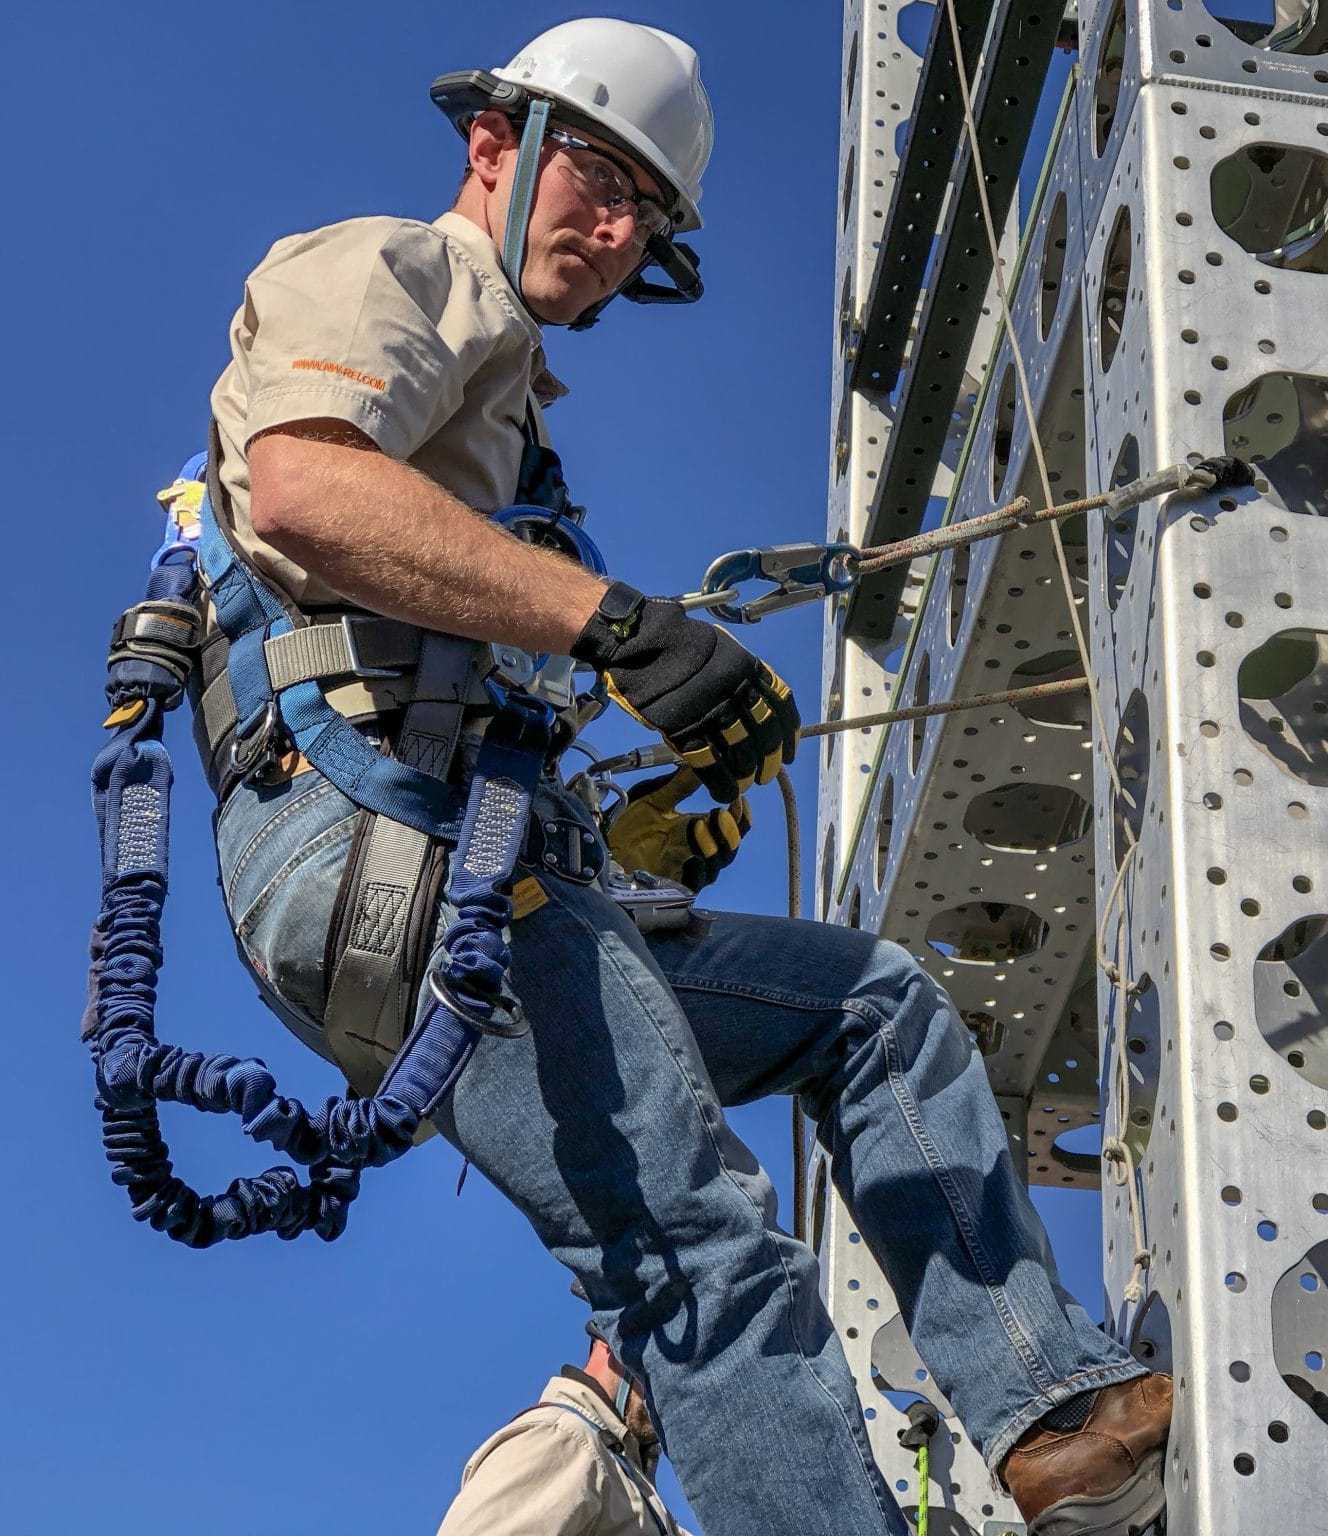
(300, 857)
(865, 1459)
(803, 1001)
(299, 803)
(1039, 1371)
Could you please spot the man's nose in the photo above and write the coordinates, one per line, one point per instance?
(617, 235)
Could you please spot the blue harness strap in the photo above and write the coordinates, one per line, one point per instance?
(131, 782)
(249, 612)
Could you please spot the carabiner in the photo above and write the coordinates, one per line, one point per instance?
(801, 573)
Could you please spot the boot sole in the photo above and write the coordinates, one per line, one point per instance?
(1128, 1511)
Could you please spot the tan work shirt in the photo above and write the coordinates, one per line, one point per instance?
(550, 1473)
(408, 331)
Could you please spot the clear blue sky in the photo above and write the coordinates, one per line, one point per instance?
(154, 152)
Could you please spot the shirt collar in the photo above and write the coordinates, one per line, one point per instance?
(484, 253)
(545, 385)
(584, 1393)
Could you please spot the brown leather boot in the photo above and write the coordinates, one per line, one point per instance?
(1104, 1479)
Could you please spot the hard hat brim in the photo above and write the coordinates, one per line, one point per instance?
(464, 94)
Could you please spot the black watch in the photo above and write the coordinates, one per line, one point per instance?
(614, 621)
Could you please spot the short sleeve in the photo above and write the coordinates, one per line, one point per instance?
(539, 1480)
(350, 322)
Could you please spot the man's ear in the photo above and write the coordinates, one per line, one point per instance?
(491, 134)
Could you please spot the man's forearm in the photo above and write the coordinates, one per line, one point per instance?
(391, 540)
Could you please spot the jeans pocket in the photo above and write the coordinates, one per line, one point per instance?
(281, 858)
(284, 931)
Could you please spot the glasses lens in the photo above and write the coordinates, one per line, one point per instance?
(610, 190)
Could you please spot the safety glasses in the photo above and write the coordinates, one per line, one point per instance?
(606, 186)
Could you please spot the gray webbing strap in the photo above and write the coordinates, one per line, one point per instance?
(354, 647)
(361, 646)
(371, 1000)
(365, 1016)
(521, 199)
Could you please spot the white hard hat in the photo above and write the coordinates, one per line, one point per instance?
(641, 86)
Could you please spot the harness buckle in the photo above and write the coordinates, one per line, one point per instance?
(253, 747)
(357, 664)
(565, 846)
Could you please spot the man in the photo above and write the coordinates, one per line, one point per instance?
(378, 405)
(580, 1463)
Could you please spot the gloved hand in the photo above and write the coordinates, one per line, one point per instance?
(650, 833)
(724, 712)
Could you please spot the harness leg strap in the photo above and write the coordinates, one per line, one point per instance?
(371, 998)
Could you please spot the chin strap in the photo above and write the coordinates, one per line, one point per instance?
(679, 262)
(523, 193)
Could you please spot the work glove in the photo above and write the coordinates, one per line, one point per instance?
(721, 709)
(650, 832)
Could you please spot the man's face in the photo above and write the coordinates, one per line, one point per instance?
(577, 253)
(637, 1418)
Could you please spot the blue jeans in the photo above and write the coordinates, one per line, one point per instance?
(605, 1125)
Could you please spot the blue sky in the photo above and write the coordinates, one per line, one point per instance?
(156, 150)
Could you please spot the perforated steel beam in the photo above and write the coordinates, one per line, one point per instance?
(1006, 91)
(1205, 327)
(1170, 302)
(934, 132)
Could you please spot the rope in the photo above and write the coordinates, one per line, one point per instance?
(794, 843)
(1017, 356)
(947, 707)
(924, 1488)
(991, 524)
(1115, 1149)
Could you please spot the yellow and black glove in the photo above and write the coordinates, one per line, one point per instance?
(721, 709)
(650, 832)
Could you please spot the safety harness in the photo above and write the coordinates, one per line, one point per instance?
(267, 703)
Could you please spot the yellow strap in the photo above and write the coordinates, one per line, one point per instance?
(701, 837)
(770, 766)
(698, 757)
(728, 830)
(124, 714)
(528, 896)
(184, 498)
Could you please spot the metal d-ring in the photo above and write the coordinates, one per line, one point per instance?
(252, 744)
(508, 1020)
